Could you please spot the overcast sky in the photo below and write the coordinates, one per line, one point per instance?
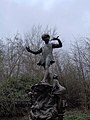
(71, 17)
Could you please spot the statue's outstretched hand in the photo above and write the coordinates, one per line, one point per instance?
(28, 49)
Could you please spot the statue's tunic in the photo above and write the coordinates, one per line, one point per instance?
(47, 56)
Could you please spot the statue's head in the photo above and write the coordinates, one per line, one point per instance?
(45, 37)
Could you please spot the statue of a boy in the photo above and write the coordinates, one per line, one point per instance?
(47, 56)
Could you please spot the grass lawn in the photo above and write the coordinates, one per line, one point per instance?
(76, 115)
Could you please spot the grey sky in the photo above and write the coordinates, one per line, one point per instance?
(71, 17)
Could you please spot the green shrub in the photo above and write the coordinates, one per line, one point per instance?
(14, 90)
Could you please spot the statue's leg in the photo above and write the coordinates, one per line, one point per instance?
(46, 75)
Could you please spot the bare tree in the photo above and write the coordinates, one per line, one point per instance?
(81, 60)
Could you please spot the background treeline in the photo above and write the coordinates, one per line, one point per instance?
(18, 71)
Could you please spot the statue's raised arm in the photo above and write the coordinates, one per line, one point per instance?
(59, 42)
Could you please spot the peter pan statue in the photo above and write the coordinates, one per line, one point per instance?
(47, 55)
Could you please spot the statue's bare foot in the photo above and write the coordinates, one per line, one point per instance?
(43, 81)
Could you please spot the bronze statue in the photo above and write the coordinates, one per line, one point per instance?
(47, 56)
(47, 101)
